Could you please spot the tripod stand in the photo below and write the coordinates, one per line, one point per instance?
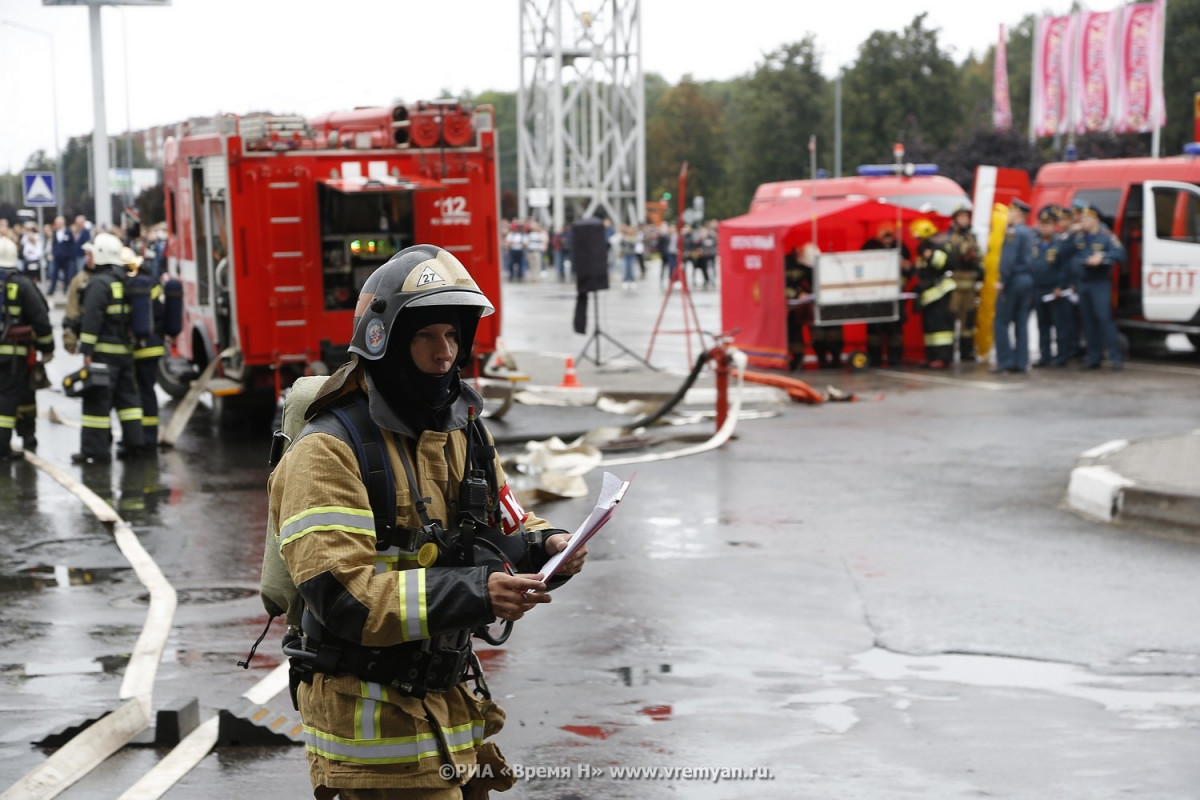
(598, 334)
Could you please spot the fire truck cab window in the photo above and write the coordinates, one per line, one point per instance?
(1176, 214)
(359, 232)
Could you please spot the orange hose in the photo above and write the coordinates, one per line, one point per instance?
(796, 388)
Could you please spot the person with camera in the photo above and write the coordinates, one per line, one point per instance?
(393, 596)
(25, 324)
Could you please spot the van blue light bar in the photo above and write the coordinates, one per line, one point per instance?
(909, 169)
(1191, 149)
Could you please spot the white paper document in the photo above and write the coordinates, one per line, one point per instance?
(611, 492)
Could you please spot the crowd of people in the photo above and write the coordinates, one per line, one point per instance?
(531, 252)
(100, 276)
(1061, 272)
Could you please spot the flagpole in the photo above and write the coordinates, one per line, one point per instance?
(1156, 134)
(1033, 89)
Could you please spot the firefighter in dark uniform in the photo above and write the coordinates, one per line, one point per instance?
(104, 338)
(1095, 251)
(147, 349)
(967, 271)
(1014, 293)
(28, 332)
(1066, 288)
(934, 287)
(889, 336)
(1047, 262)
(798, 287)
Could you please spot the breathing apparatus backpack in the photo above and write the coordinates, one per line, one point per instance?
(172, 310)
(468, 543)
(138, 288)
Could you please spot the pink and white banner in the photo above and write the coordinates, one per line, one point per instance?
(1001, 109)
(1096, 71)
(1052, 41)
(1140, 106)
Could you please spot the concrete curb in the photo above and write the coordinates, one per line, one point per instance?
(1112, 482)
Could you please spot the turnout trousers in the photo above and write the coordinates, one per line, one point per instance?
(146, 372)
(99, 403)
(14, 389)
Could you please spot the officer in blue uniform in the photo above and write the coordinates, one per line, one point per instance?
(1095, 253)
(1066, 288)
(1046, 266)
(1014, 293)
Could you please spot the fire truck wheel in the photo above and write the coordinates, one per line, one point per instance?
(175, 376)
(858, 360)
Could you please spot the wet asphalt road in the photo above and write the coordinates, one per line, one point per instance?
(879, 599)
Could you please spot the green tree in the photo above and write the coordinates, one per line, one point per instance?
(770, 119)
(686, 126)
(902, 88)
(505, 104)
(1181, 77)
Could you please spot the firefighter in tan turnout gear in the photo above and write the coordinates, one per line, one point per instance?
(967, 271)
(389, 609)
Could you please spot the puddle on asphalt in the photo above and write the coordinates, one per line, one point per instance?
(1132, 697)
(204, 595)
(44, 577)
(73, 666)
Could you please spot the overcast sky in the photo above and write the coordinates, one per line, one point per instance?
(199, 57)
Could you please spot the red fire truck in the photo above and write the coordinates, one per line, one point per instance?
(274, 223)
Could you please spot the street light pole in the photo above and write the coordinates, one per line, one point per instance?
(59, 189)
(100, 125)
(128, 124)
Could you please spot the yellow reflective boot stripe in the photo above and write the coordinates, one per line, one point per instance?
(410, 590)
(367, 709)
(327, 518)
(109, 347)
(8, 422)
(149, 352)
(939, 338)
(93, 421)
(129, 414)
(150, 422)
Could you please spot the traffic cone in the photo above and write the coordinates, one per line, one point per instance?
(569, 380)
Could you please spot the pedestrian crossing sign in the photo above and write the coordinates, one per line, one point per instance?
(39, 188)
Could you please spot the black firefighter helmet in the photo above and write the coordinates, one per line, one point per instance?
(422, 276)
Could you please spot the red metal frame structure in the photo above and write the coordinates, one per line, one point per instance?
(691, 321)
(274, 222)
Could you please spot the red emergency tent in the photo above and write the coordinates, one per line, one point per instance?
(752, 248)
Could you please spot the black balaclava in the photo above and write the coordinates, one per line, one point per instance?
(416, 397)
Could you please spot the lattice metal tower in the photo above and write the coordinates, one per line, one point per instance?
(581, 139)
